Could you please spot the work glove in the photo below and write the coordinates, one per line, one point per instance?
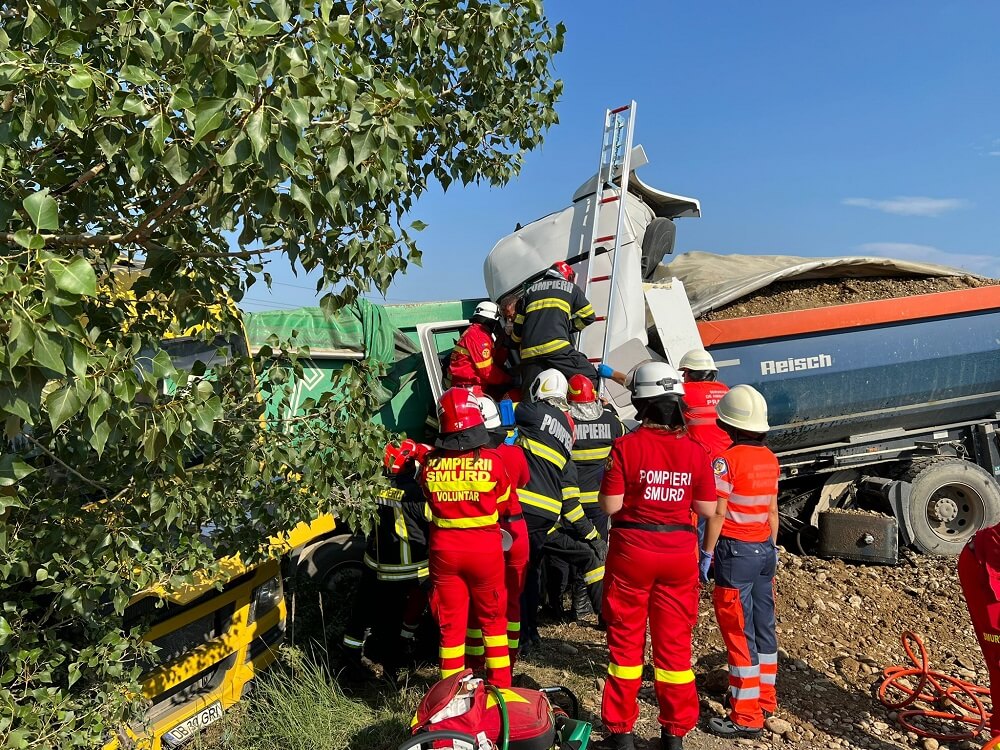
(704, 563)
(600, 548)
(605, 371)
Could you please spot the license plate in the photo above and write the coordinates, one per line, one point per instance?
(190, 727)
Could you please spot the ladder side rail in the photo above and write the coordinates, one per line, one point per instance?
(595, 207)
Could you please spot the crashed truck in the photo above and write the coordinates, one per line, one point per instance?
(884, 414)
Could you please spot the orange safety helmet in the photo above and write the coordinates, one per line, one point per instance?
(581, 390)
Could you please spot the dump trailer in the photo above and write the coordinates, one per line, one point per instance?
(889, 405)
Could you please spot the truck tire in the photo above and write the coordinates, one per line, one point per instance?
(950, 500)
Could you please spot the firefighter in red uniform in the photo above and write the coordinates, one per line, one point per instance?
(742, 536)
(466, 486)
(551, 311)
(702, 393)
(515, 556)
(392, 596)
(655, 477)
(979, 574)
(477, 361)
(552, 492)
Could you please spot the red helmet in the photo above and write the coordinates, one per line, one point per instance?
(565, 270)
(581, 390)
(397, 457)
(458, 410)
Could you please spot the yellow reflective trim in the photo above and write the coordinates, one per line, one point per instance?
(570, 492)
(495, 640)
(474, 651)
(673, 678)
(504, 497)
(465, 523)
(451, 652)
(461, 485)
(592, 535)
(546, 348)
(574, 515)
(584, 312)
(461, 349)
(541, 450)
(591, 454)
(484, 364)
(625, 673)
(514, 626)
(519, 318)
(446, 673)
(548, 303)
(513, 643)
(593, 576)
(496, 662)
(473, 633)
(539, 501)
(589, 498)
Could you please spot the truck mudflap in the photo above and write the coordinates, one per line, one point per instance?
(861, 537)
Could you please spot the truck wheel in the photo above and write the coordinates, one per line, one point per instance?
(950, 500)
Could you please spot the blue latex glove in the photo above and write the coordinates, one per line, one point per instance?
(704, 563)
(605, 371)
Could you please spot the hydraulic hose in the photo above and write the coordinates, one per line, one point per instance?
(920, 683)
(504, 717)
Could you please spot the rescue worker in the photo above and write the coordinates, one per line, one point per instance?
(466, 485)
(392, 595)
(979, 574)
(702, 393)
(552, 492)
(477, 361)
(742, 537)
(655, 477)
(551, 311)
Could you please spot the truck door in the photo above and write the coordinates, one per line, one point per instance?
(436, 342)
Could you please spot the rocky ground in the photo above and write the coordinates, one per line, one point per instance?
(786, 296)
(839, 625)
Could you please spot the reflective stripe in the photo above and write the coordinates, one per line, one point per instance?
(475, 650)
(461, 485)
(591, 454)
(767, 658)
(752, 501)
(495, 640)
(673, 678)
(406, 634)
(513, 643)
(584, 312)
(547, 348)
(514, 627)
(542, 502)
(593, 576)
(420, 573)
(465, 523)
(393, 567)
(461, 350)
(451, 652)
(745, 518)
(742, 694)
(589, 498)
(496, 662)
(543, 451)
(446, 673)
(473, 633)
(744, 672)
(768, 679)
(547, 303)
(570, 492)
(505, 496)
(592, 535)
(574, 515)
(625, 673)
(484, 364)
(721, 485)
(352, 642)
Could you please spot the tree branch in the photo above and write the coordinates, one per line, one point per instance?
(82, 179)
(65, 465)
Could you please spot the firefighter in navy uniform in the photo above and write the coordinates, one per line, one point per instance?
(553, 493)
(551, 311)
(392, 596)
(477, 361)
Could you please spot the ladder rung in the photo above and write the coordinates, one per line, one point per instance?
(604, 239)
(600, 318)
(594, 359)
(620, 109)
(601, 278)
(609, 199)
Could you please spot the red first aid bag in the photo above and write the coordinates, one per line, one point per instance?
(463, 704)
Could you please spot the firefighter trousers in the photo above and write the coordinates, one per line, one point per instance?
(568, 361)
(659, 586)
(389, 612)
(515, 567)
(470, 579)
(744, 609)
(984, 610)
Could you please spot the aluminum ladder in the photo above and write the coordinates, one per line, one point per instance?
(616, 153)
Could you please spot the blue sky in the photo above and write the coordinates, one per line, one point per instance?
(804, 128)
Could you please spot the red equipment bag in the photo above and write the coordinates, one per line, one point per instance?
(463, 704)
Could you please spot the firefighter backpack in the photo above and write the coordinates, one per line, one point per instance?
(462, 712)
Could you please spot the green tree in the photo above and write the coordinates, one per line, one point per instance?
(203, 139)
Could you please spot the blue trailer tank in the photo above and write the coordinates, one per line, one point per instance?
(835, 373)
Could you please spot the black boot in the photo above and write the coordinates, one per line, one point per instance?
(624, 741)
(670, 741)
(581, 602)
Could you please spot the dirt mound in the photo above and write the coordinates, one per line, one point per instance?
(838, 627)
(785, 296)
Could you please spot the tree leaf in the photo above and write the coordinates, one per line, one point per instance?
(175, 161)
(363, 144)
(43, 210)
(208, 115)
(13, 470)
(62, 405)
(76, 278)
(80, 79)
(26, 239)
(48, 352)
(258, 129)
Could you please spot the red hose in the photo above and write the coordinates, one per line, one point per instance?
(942, 692)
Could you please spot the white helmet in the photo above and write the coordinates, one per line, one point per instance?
(743, 408)
(699, 360)
(550, 385)
(487, 310)
(491, 414)
(652, 379)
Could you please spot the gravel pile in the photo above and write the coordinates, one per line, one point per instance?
(838, 626)
(785, 296)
